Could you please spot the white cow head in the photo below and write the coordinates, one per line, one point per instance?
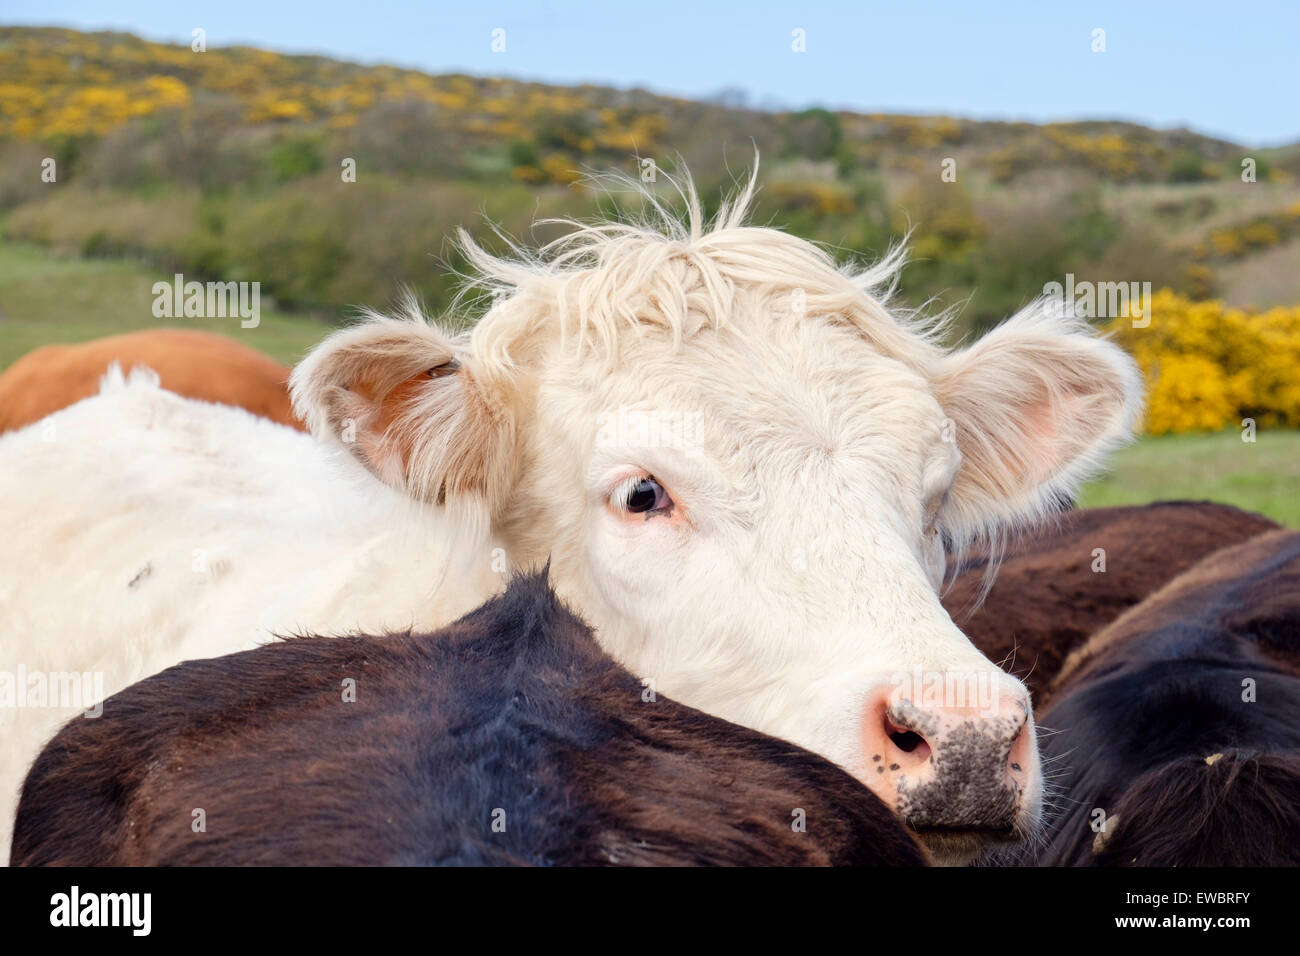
(744, 470)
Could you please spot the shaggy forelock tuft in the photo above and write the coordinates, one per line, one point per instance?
(606, 280)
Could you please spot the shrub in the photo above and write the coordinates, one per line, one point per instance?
(1208, 367)
(297, 156)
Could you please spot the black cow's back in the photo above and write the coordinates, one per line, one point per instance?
(506, 738)
(1181, 721)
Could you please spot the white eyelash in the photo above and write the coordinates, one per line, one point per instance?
(619, 493)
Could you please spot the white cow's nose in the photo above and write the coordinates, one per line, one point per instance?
(940, 765)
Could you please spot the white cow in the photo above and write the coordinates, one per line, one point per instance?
(143, 529)
(741, 466)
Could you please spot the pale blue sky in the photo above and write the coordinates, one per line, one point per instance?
(1224, 69)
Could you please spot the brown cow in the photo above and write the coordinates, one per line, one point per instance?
(202, 365)
(1177, 728)
(1047, 599)
(508, 737)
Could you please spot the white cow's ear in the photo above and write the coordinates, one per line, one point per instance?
(1036, 405)
(394, 393)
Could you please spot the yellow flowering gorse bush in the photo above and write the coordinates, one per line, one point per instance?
(61, 82)
(1208, 366)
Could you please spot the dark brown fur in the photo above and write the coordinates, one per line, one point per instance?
(1241, 810)
(1149, 722)
(1047, 600)
(513, 708)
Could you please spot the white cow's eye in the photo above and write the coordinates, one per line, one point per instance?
(645, 495)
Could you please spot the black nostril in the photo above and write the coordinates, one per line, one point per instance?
(906, 740)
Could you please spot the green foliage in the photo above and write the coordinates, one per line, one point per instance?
(295, 157)
(66, 149)
(559, 131)
(522, 152)
(1089, 228)
(227, 166)
(1186, 167)
(814, 133)
(97, 245)
(1263, 169)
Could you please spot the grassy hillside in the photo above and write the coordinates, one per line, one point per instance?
(228, 164)
(1261, 476)
(47, 298)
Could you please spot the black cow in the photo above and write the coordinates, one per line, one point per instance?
(508, 737)
(1050, 595)
(1180, 722)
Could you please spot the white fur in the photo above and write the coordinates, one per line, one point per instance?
(248, 530)
(838, 445)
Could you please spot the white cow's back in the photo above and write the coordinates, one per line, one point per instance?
(140, 529)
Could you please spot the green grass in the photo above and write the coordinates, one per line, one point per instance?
(47, 298)
(1262, 476)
